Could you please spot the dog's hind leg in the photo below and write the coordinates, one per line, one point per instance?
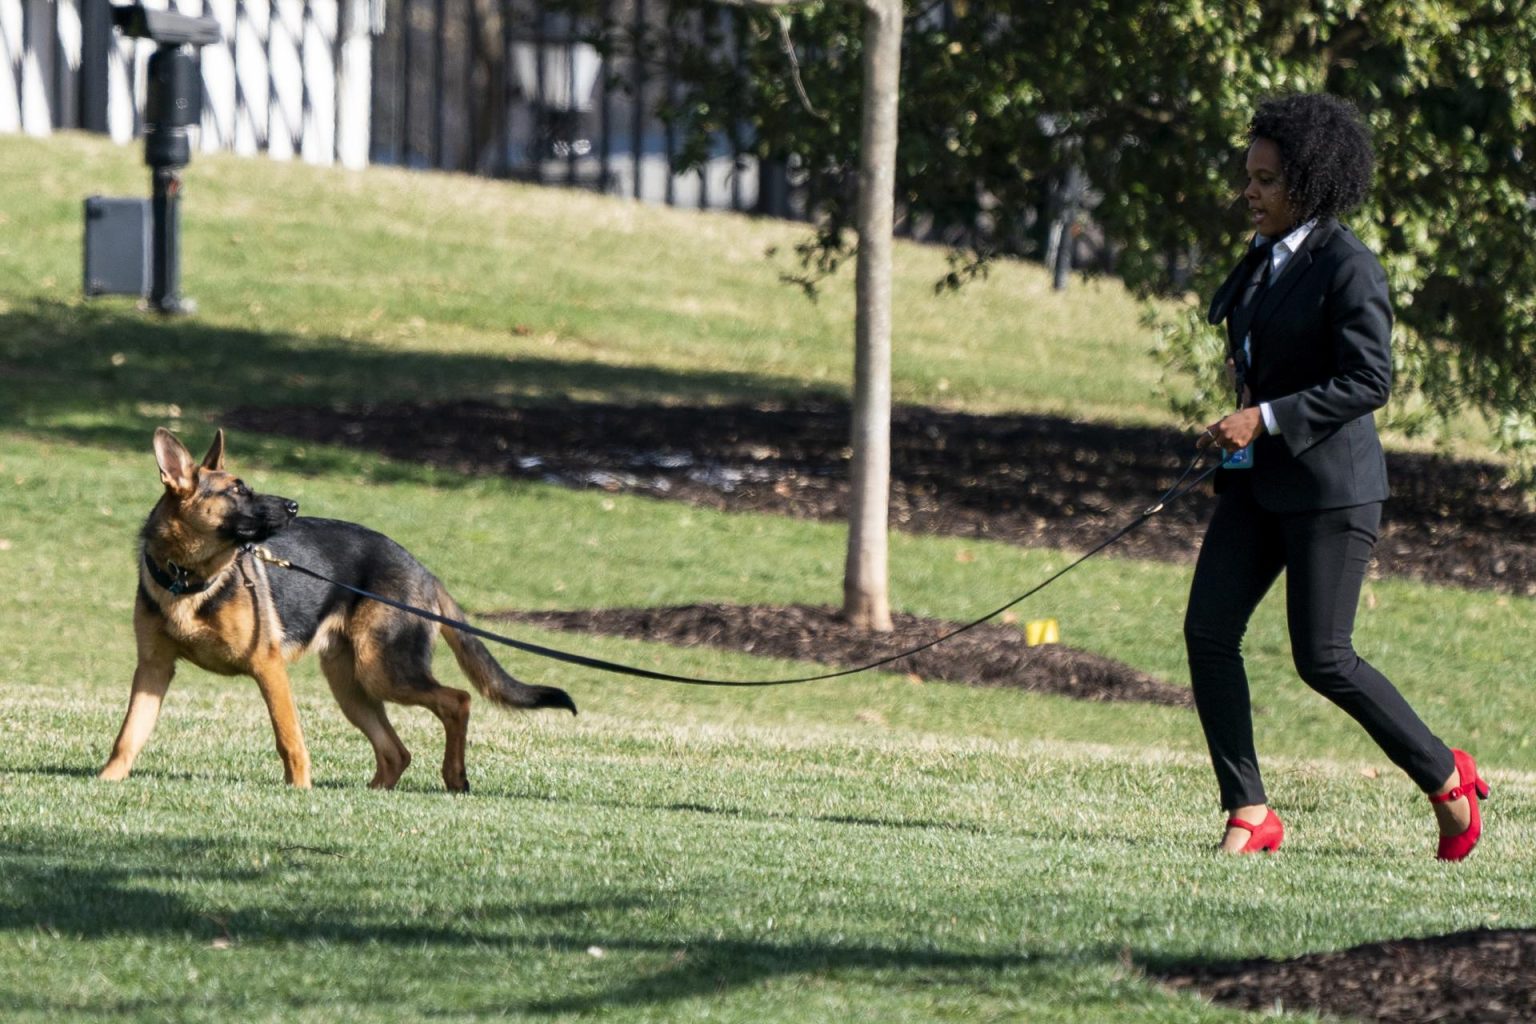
(414, 685)
(451, 708)
(390, 755)
(394, 663)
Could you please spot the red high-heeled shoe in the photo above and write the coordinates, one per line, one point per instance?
(1265, 837)
(1468, 785)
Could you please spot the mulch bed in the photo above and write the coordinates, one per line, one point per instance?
(988, 655)
(1474, 977)
(1030, 480)
(1034, 480)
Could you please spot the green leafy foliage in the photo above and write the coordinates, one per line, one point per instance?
(1152, 100)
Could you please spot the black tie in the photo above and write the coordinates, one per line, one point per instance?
(1258, 263)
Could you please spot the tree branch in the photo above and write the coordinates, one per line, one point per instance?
(868, 5)
(788, 46)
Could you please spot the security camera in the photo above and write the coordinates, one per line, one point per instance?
(165, 27)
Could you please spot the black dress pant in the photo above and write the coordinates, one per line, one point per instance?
(1324, 555)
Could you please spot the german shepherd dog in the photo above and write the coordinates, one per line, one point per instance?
(205, 597)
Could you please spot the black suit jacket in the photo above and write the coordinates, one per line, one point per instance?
(1322, 357)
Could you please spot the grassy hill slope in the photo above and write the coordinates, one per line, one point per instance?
(878, 848)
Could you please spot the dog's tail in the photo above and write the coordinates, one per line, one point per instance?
(493, 681)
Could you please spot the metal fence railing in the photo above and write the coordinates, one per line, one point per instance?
(289, 78)
(516, 88)
(506, 88)
(510, 88)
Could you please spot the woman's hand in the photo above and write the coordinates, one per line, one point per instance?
(1235, 431)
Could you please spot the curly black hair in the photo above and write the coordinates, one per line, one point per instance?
(1325, 151)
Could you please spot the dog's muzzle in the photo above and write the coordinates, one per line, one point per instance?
(264, 518)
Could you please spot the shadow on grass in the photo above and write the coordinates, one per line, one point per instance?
(81, 887)
(1050, 831)
(104, 374)
(712, 967)
(97, 891)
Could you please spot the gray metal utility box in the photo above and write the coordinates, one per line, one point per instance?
(117, 246)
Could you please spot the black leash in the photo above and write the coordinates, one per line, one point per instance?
(1173, 494)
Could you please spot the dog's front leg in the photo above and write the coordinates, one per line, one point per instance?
(272, 678)
(151, 679)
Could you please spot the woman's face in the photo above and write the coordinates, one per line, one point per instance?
(1268, 205)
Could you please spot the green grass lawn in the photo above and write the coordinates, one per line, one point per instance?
(873, 848)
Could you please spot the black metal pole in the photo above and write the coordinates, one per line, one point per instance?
(508, 78)
(165, 242)
(473, 147)
(173, 101)
(737, 27)
(637, 112)
(572, 112)
(95, 46)
(605, 131)
(403, 91)
(541, 126)
(669, 96)
(440, 84)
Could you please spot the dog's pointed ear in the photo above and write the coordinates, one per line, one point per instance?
(215, 457)
(176, 465)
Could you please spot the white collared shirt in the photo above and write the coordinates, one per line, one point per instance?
(1279, 256)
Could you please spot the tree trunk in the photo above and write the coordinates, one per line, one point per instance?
(866, 601)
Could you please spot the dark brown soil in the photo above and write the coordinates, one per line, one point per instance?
(1032, 480)
(1475, 977)
(988, 655)
(1021, 479)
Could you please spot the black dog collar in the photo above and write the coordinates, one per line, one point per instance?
(174, 578)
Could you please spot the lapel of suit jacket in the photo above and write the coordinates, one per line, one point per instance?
(1231, 290)
(1226, 296)
(1295, 269)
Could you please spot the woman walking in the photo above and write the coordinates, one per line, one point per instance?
(1309, 326)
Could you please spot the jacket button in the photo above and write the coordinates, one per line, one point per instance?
(1309, 440)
